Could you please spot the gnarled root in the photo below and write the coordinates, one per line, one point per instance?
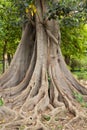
(39, 92)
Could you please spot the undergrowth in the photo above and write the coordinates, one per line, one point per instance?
(80, 99)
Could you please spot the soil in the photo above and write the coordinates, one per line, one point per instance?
(83, 82)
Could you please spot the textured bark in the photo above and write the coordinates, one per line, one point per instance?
(38, 82)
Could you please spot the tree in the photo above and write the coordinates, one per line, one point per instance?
(38, 86)
(9, 30)
(75, 39)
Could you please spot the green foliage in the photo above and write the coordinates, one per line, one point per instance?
(56, 119)
(21, 6)
(1, 102)
(74, 41)
(46, 117)
(80, 99)
(59, 127)
(70, 12)
(81, 74)
(57, 10)
(22, 127)
(9, 27)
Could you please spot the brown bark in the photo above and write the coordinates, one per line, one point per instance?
(29, 96)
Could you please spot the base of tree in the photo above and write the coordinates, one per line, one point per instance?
(38, 90)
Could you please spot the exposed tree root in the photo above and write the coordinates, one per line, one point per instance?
(38, 89)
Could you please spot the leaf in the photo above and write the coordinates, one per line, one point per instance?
(60, 127)
(56, 119)
(46, 117)
(1, 102)
(27, 10)
(32, 9)
(22, 128)
(32, 13)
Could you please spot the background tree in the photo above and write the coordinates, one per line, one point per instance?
(38, 86)
(9, 30)
(73, 42)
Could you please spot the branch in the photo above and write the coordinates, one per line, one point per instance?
(52, 36)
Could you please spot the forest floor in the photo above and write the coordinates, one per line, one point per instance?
(59, 121)
(83, 82)
(64, 117)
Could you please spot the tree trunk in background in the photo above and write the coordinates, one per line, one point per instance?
(38, 86)
(67, 59)
(9, 58)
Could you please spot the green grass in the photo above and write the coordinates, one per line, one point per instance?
(21, 127)
(80, 74)
(80, 99)
(1, 102)
(46, 117)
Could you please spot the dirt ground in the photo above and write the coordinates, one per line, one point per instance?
(64, 118)
(83, 82)
(60, 121)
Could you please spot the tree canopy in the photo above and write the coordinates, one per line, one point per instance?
(9, 26)
(72, 16)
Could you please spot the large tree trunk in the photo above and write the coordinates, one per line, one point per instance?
(38, 86)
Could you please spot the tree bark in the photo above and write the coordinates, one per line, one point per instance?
(38, 85)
